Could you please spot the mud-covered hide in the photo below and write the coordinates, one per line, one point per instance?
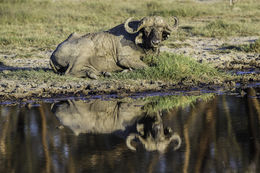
(95, 54)
(127, 118)
(122, 47)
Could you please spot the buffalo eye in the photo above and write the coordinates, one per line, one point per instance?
(165, 35)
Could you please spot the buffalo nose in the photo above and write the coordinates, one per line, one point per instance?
(155, 42)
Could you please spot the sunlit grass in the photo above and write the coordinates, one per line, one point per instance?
(175, 68)
(221, 28)
(46, 23)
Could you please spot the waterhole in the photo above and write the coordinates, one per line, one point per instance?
(144, 133)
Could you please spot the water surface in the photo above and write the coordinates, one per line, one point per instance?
(217, 133)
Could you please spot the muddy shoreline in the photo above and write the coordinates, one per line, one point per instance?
(19, 95)
(209, 50)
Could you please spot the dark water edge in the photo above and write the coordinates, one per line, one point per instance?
(219, 133)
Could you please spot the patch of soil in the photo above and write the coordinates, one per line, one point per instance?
(213, 51)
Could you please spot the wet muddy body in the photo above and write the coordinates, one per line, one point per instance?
(158, 132)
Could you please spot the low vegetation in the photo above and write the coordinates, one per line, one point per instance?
(221, 28)
(248, 48)
(45, 23)
(176, 69)
(253, 47)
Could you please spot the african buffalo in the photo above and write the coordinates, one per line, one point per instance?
(119, 48)
(125, 118)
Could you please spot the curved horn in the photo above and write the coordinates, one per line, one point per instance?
(129, 139)
(176, 23)
(130, 30)
(176, 137)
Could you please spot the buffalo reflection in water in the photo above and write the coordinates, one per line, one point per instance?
(127, 118)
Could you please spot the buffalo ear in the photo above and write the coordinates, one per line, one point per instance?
(139, 38)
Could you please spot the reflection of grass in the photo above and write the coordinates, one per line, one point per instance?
(175, 68)
(165, 103)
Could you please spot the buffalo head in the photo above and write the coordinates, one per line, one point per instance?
(153, 135)
(151, 31)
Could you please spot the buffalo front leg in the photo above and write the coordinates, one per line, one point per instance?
(84, 72)
(134, 64)
(90, 73)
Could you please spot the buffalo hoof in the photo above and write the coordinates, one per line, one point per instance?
(107, 74)
(126, 70)
(92, 76)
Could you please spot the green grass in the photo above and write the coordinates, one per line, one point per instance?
(44, 24)
(220, 28)
(175, 68)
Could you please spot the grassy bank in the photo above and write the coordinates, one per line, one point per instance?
(31, 26)
(167, 67)
(175, 69)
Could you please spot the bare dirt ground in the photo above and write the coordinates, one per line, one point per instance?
(209, 50)
(215, 52)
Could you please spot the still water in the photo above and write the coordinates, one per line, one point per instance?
(177, 133)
